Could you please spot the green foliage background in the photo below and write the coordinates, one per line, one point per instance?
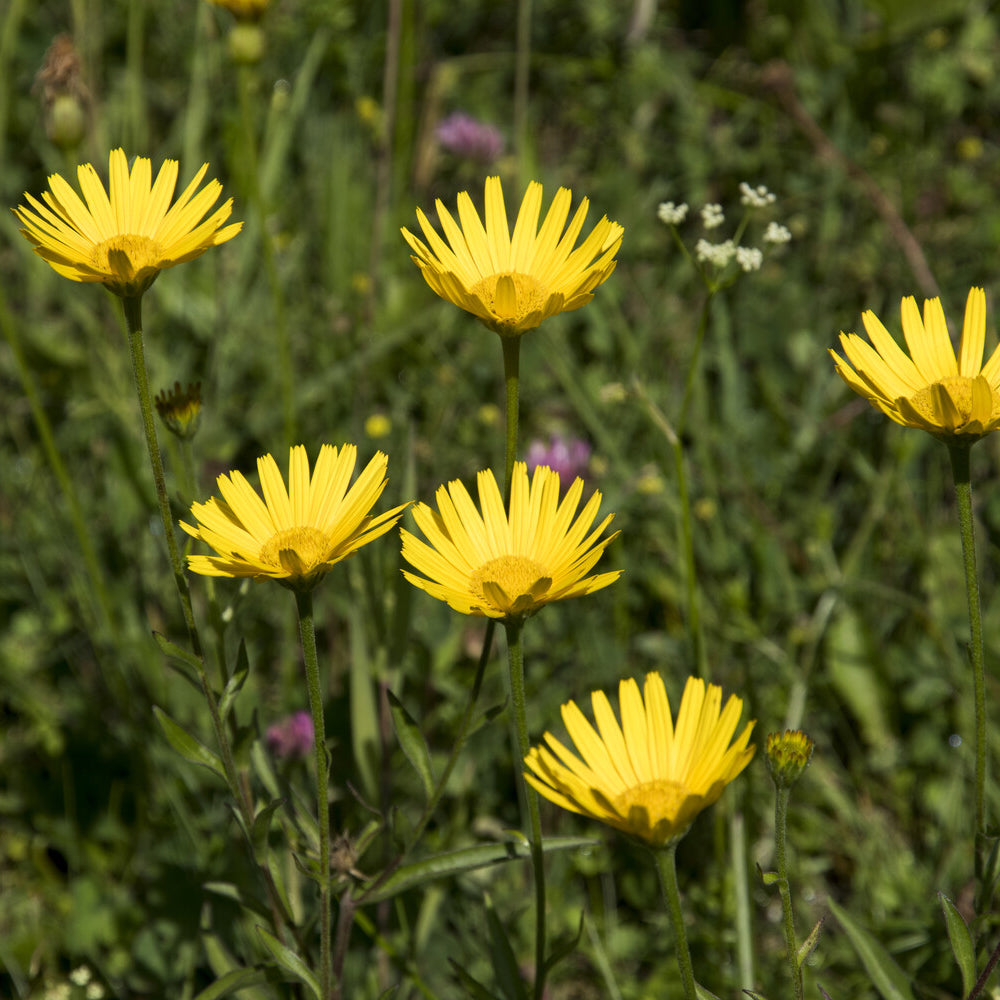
(827, 548)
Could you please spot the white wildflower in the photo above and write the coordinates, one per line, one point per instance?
(80, 976)
(758, 197)
(776, 234)
(749, 258)
(712, 216)
(719, 254)
(95, 991)
(671, 214)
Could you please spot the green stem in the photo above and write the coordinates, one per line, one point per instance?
(781, 859)
(133, 317)
(247, 84)
(666, 867)
(522, 67)
(511, 374)
(104, 612)
(528, 796)
(963, 491)
(307, 634)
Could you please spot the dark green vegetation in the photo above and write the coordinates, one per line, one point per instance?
(827, 549)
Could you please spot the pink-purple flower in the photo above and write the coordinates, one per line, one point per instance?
(470, 138)
(567, 457)
(292, 737)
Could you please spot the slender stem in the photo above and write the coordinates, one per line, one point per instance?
(984, 976)
(105, 614)
(511, 374)
(307, 634)
(244, 801)
(522, 67)
(781, 859)
(133, 318)
(666, 867)
(248, 87)
(963, 491)
(687, 525)
(528, 796)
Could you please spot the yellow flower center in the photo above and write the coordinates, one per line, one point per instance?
(959, 389)
(653, 801)
(511, 584)
(510, 298)
(298, 551)
(126, 257)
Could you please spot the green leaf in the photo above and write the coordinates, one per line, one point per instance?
(262, 824)
(186, 745)
(473, 986)
(563, 948)
(231, 981)
(703, 994)
(961, 943)
(236, 682)
(886, 976)
(505, 968)
(411, 739)
(463, 860)
(289, 961)
(807, 946)
(180, 659)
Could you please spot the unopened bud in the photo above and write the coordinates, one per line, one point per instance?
(787, 756)
(180, 409)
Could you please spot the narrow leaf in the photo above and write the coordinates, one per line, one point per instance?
(186, 745)
(505, 968)
(179, 660)
(463, 860)
(475, 989)
(262, 824)
(289, 961)
(231, 981)
(703, 994)
(807, 946)
(235, 683)
(961, 943)
(886, 975)
(564, 947)
(411, 739)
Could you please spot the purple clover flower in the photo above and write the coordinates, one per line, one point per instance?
(470, 138)
(292, 737)
(568, 458)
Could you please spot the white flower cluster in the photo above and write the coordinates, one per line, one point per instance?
(776, 234)
(749, 258)
(756, 197)
(712, 216)
(671, 214)
(719, 254)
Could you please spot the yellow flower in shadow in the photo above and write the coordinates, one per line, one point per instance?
(930, 388)
(292, 535)
(647, 777)
(513, 283)
(124, 236)
(484, 562)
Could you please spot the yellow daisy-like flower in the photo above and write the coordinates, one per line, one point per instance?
(930, 389)
(124, 240)
(648, 777)
(293, 535)
(512, 283)
(508, 567)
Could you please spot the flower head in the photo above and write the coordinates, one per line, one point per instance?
(292, 736)
(787, 755)
(293, 535)
(180, 409)
(647, 777)
(929, 389)
(470, 138)
(566, 457)
(513, 283)
(124, 239)
(508, 566)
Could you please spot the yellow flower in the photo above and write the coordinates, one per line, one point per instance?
(508, 567)
(296, 535)
(245, 10)
(930, 389)
(126, 240)
(512, 283)
(647, 777)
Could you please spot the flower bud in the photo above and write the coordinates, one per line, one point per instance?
(180, 409)
(787, 756)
